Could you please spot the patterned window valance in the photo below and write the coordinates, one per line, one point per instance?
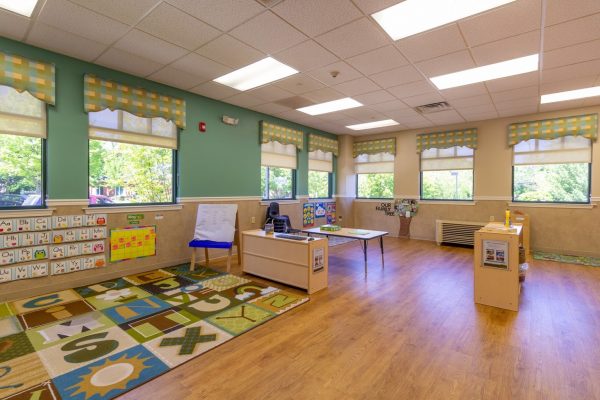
(275, 133)
(317, 142)
(547, 129)
(101, 94)
(374, 147)
(445, 140)
(33, 76)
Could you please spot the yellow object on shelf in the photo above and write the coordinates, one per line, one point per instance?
(507, 218)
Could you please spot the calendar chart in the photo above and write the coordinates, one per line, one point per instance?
(132, 242)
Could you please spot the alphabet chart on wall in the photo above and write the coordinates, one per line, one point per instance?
(42, 246)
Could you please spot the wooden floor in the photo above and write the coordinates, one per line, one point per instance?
(410, 331)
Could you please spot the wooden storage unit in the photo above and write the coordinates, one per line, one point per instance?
(284, 260)
(498, 286)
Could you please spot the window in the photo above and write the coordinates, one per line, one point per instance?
(22, 134)
(320, 168)
(554, 171)
(131, 159)
(278, 171)
(447, 174)
(375, 176)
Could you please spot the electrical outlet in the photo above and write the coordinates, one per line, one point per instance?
(253, 220)
(492, 218)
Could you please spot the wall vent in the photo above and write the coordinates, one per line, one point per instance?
(433, 107)
(456, 232)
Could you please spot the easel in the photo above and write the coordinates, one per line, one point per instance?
(220, 245)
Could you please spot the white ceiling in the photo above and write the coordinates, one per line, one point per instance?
(187, 43)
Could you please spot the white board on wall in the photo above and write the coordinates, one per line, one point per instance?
(215, 222)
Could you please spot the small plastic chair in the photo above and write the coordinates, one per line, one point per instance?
(208, 244)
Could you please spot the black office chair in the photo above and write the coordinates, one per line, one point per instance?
(281, 223)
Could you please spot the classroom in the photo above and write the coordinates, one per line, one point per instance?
(299, 199)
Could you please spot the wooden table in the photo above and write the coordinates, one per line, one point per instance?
(363, 235)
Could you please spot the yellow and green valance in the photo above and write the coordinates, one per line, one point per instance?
(100, 94)
(24, 74)
(374, 147)
(326, 145)
(274, 133)
(445, 140)
(547, 129)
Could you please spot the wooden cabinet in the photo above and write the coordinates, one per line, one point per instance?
(299, 263)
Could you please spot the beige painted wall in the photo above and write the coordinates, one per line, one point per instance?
(568, 230)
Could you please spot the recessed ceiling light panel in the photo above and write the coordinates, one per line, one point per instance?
(257, 74)
(23, 7)
(415, 16)
(330, 106)
(570, 95)
(373, 125)
(489, 72)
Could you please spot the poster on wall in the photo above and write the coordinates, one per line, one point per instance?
(495, 254)
(132, 242)
(331, 213)
(308, 214)
(318, 259)
(320, 210)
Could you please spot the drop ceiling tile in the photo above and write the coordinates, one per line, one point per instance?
(13, 26)
(516, 94)
(447, 64)
(431, 44)
(512, 19)
(548, 87)
(244, 100)
(123, 61)
(63, 42)
(412, 89)
(176, 78)
(372, 6)
(477, 110)
(513, 82)
(403, 115)
(472, 101)
(572, 32)
(323, 95)
(80, 21)
(147, 46)
(299, 83)
(166, 22)
(214, 90)
(200, 66)
(507, 49)
(344, 73)
(582, 69)
(365, 114)
(563, 105)
(376, 97)
(230, 51)
(128, 12)
(460, 92)
(423, 99)
(306, 56)
(354, 38)
(270, 93)
(572, 54)
(390, 106)
(397, 76)
(357, 86)
(525, 102)
(445, 117)
(222, 14)
(561, 11)
(335, 117)
(314, 17)
(268, 33)
(270, 108)
(379, 60)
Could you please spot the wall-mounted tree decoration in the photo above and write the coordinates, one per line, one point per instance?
(405, 209)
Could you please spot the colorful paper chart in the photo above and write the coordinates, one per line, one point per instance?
(308, 214)
(320, 210)
(331, 213)
(132, 242)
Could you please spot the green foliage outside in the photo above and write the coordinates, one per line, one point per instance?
(276, 183)
(376, 185)
(318, 184)
(447, 185)
(145, 173)
(20, 165)
(552, 183)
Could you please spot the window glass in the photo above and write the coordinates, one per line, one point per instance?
(375, 185)
(318, 184)
(447, 174)
(277, 183)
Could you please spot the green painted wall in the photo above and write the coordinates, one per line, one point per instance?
(223, 161)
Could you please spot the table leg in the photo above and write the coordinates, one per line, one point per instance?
(365, 250)
(381, 245)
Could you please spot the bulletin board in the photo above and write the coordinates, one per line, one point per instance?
(132, 242)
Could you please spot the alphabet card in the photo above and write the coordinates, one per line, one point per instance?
(23, 224)
(27, 239)
(42, 238)
(39, 269)
(73, 249)
(5, 274)
(58, 237)
(100, 219)
(100, 261)
(60, 221)
(99, 233)
(75, 221)
(84, 234)
(24, 254)
(10, 241)
(21, 272)
(6, 225)
(40, 252)
(57, 251)
(90, 220)
(74, 264)
(69, 235)
(41, 223)
(87, 248)
(98, 247)
(87, 263)
(7, 257)
(59, 267)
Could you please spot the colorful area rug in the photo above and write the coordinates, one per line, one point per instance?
(581, 260)
(99, 341)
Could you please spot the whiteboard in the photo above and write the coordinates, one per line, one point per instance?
(215, 222)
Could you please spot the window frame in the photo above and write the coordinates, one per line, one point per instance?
(446, 200)
(373, 198)
(267, 184)
(329, 184)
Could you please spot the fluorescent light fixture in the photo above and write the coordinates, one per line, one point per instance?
(23, 7)
(571, 95)
(374, 124)
(502, 69)
(257, 74)
(330, 106)
(415, 16)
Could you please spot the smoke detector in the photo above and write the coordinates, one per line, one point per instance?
(334, 74)
(433, 107)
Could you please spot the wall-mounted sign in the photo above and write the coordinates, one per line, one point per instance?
(134, 219)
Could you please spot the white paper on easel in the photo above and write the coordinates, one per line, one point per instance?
(215, 222)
